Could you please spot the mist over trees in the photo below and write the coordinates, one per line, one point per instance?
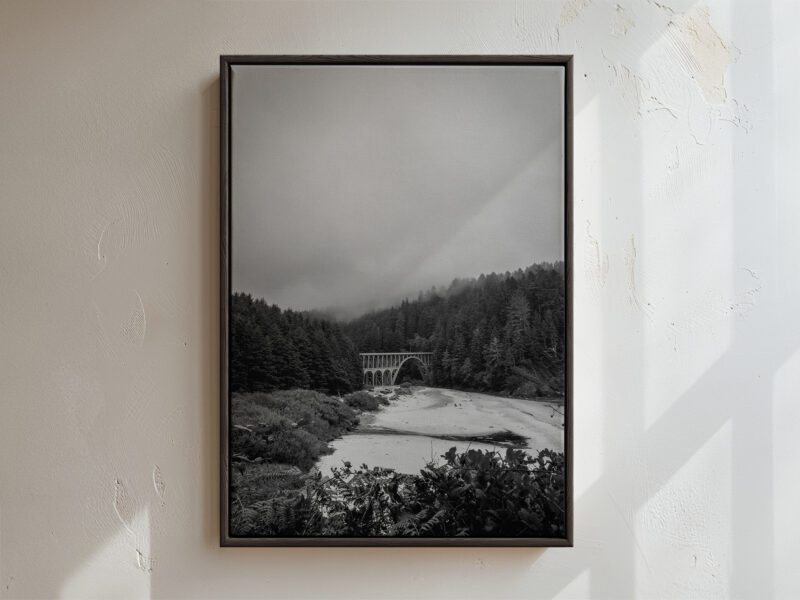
(496, 332)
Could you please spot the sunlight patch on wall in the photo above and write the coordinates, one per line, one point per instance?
(579, 587)
(121, 567)
(590, 283)
(683, 533)
(687, 200)
(785, 458)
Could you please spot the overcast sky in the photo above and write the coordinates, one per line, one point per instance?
(354, 186)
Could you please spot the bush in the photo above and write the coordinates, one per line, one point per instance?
(284, 444)
(527, 390)
(481, 493)
(364, 401)
(320, 415)
(527, 382)
(476, 493)
(280, 516)
(364, 502)
(253, 482)
(288, 427)
(254, 428)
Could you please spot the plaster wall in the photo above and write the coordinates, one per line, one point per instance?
(687, 335)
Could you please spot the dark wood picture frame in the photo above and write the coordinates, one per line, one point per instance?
(226, 63)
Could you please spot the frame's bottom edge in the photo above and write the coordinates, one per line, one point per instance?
(236, 542)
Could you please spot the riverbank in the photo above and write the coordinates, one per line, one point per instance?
(423, 425)
(281, 442)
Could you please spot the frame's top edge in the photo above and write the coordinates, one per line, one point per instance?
(398, 59)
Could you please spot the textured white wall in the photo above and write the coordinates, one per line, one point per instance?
(687, 335)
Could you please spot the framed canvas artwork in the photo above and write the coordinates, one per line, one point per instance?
(396, 301)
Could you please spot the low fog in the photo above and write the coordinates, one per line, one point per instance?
(354, 186)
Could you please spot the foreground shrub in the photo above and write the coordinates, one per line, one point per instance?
(255, 481)
(364, 502)
(285, 515)
(476, 493)
(481, 493)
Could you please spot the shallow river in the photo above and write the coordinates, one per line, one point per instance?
(416, 428)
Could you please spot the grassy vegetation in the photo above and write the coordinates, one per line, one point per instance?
(287, 427)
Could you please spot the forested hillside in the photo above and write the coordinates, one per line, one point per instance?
(496, 332)
(273, 349)
(499, 332)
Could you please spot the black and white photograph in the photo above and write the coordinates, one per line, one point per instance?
(395, 301)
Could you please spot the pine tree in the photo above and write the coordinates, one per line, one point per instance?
(518, 329)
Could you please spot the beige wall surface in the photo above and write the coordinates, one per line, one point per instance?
(686, 288)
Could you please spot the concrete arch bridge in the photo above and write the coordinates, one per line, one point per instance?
(381, 368)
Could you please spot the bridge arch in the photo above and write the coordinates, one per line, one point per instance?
(422, 367)
(382, 368)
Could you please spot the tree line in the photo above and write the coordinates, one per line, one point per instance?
(497, 332)
(273, 349)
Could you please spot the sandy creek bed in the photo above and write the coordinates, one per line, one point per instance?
(414, 429)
